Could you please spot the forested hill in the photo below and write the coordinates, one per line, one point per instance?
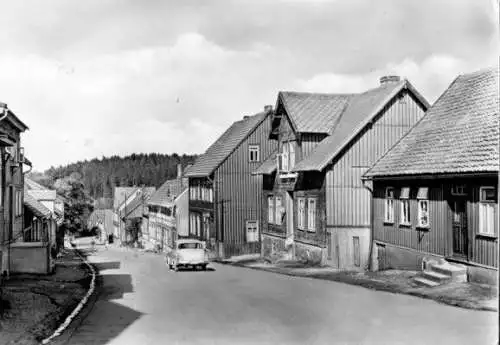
(100, 176)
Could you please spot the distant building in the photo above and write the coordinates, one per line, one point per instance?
(435, 193)
(167, 217)
(102, 221)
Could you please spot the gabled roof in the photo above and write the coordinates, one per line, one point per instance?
(459, 134)
(217, 153)
(168, 191)
(43, 194)
(133, 208)
(268, 166)
(30, 184)
(313, 112)
(359, 112)
(35, 206)
(120, 194)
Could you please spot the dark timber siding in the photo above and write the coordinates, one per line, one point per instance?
(438, 238)
(348, 202)
(239, 195)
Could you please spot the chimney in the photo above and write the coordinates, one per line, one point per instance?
(179, 170)
(389, 79)
(268, 108)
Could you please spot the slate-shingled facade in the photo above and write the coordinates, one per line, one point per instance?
(316, 207)
(435, 193)
(225, 200)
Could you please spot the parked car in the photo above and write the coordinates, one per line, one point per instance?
(187, 253)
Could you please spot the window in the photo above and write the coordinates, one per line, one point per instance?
(487, 205)
(194, 224)
(188, 245)
(19, 203)
(252, 230)
(459, 189)
(284, 157)
(423, 207)
(279, 211)
(291, 163)
(254, 153)
(405, 205)
(270, 209)
(311, 214)
(389, 205)
(302, 213)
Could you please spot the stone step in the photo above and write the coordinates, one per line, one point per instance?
(425, 282)
(451, 270)
(436, 276)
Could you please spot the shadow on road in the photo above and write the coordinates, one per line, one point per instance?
(109, 265)
(209, 269)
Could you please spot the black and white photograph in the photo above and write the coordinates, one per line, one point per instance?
(265, 172)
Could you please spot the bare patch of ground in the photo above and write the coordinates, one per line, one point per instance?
(37, 304)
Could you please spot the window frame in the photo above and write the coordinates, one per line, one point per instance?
(311, 219)
(404, 200)
(291, 155)
(388, 198)
(485, 204)
(301, 213)
(456, 191)
(256, 232)
(254, 148)
(423, 198)
(278, 211)
(271, 210)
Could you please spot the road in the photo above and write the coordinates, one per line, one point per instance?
(142, 302)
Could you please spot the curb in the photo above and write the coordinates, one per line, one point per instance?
(78, 308)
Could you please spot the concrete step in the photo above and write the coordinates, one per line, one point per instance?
(451, 270)
(436, 276)
(425, 282)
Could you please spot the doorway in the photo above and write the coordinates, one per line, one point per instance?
(460, 229)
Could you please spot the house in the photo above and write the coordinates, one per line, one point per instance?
(102, 221)
(131, 213)
(168, 213)
(11, 183)
(316, 208)
(435, 193)
(225, 200)
(34, 251)
(120, 194)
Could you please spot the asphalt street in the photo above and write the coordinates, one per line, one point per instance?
(142, 302)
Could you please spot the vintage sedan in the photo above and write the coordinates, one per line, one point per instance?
(187, 253)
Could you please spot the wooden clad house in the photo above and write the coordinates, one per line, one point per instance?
(435, 193)
(11, 183)
(316, 207)
(120, 194)
(167, 216)
(225, 200)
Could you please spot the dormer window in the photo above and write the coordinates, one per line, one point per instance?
(286, 159)
(253, 153)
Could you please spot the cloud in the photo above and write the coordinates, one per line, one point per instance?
(431, 77)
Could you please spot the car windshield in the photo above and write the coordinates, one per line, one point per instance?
(190, 246)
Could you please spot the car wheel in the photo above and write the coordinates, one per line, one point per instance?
(204, 267)
(176, 268)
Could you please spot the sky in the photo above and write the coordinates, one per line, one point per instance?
(112, 77)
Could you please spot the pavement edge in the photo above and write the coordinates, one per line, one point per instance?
(64, 331)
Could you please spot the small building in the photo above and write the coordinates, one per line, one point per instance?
(120, 194)
(316, 208)
(167, 216)
(225, 200)
(435, 193)
(102, 221)
(11, 184)
(131, 214)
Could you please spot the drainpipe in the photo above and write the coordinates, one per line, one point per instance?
(364, 180)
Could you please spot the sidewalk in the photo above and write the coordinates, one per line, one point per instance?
(37, 304)
(465, 295)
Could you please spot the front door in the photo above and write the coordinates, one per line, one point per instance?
(460, 231)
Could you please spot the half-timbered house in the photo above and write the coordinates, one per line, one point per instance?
(435, 193)
(225, 200)
(317, 209)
